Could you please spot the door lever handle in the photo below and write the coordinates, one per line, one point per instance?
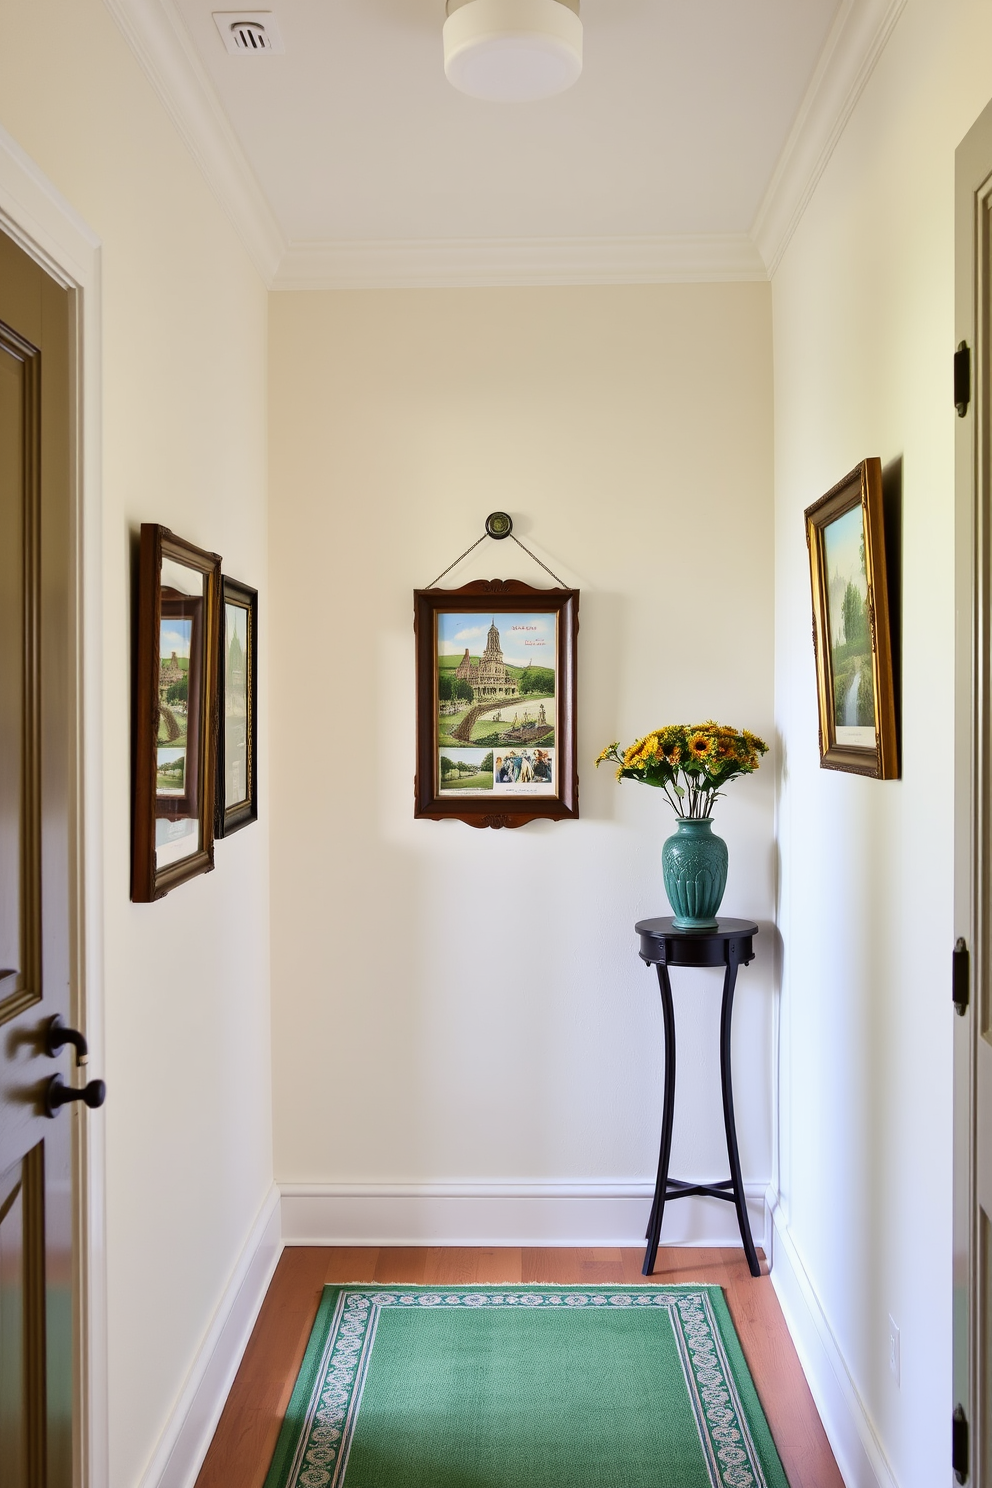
(57, 1034)
(58, 1093)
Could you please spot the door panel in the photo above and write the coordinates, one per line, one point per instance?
(37, 838)
(22, 1321)
(20, 817)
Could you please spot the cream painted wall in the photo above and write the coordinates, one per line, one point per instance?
(186, 988)
(461, 1005)
(863, 334)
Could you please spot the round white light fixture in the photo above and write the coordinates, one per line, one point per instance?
(511, 51)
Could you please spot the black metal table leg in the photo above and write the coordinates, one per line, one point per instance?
(667, 1121)
(730, 944)
(737, 1182)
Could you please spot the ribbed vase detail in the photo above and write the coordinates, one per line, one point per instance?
(694, 863)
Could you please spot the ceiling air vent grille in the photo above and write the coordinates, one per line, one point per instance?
(248, 32)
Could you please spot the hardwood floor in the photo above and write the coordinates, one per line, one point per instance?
(243, 1444)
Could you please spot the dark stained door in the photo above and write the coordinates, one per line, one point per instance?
(36, 881)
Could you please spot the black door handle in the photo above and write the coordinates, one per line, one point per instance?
(57, 1034)
(58, 1093)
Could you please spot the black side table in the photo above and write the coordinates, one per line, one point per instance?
(729, 945)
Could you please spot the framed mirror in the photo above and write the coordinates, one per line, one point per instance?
(236, 801)
(175, 700)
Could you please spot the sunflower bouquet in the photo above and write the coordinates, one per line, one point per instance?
(690, 762)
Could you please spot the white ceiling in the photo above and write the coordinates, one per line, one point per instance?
(675, 126)
(688, 149)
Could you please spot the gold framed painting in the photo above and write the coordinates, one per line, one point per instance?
(845, 534)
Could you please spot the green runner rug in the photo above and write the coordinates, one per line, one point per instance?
(524, 1387)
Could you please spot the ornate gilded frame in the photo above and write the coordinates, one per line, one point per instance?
(853, 744)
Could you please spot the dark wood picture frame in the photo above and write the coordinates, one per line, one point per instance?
(158, 604)
(232, 816)
(867, 742)
(496, 808)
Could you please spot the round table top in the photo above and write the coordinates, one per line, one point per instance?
(665, 926)
(729, 943)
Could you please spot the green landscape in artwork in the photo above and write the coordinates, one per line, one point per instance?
(173, 681)
(495, 698)
(850, 634)
(491, 689)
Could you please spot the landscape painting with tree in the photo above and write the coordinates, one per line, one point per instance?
(845, 533)
(496, 703)
(173, 707)
(850, 637)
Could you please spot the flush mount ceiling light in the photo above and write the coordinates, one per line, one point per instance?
(511, 51)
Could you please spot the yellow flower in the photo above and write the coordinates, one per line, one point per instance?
(701, 745)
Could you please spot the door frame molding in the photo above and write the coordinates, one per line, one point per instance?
(42, 223)
(973, 751)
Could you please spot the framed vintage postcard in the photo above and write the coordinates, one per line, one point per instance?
(851, 636)
(236, 797)
(175, 700)
(496, 703)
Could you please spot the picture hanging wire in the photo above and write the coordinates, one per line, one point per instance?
(498, 526)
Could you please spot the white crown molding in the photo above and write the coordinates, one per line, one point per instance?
(854, 45)
(484, 262)
(158, 38)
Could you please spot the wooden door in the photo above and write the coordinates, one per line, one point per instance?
(970, 1436)
(37, 839)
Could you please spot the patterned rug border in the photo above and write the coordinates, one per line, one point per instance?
(314, 1442)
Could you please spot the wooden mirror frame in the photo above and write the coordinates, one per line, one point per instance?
(147, 881)
(482, 597)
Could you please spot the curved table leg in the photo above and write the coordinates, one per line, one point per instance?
(665, 1153)
(729, 982)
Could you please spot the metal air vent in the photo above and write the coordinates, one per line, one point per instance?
(248, 32)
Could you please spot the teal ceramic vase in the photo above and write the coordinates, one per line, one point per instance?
(694, 863)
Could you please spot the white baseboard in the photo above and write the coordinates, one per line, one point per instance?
(183, 1444)
(853, 1439)
(559, 1214)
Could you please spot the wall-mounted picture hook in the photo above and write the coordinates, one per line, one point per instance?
(499, 525)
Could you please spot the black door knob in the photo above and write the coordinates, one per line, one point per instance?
(57, 1034)
(58, 1093)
